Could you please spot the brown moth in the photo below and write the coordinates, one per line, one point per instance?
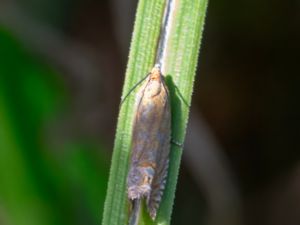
(150, 144)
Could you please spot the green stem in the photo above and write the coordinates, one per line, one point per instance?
(180, 60)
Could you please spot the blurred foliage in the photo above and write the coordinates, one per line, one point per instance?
(40, 183)
(247, 92)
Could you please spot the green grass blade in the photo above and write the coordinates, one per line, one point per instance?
(179, 68)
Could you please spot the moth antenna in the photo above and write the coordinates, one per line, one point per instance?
(134, 87)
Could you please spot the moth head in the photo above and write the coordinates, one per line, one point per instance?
(155, 73)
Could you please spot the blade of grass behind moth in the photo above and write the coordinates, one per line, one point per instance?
(180, 63)
(141, 59)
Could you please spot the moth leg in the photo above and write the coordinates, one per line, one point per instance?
(177, 143)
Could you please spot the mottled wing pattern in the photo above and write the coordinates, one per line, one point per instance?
(142, 157)
(140, 134)
(164, 137)
(150, 142)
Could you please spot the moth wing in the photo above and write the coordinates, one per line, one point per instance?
(161, 172)
(136, 154)
(148, 124)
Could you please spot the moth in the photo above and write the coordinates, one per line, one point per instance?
(150, 146)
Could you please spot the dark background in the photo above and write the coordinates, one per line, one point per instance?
(62, 66)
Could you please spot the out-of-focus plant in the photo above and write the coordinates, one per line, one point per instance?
(40, 185)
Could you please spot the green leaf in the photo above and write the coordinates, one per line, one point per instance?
(179, 68)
